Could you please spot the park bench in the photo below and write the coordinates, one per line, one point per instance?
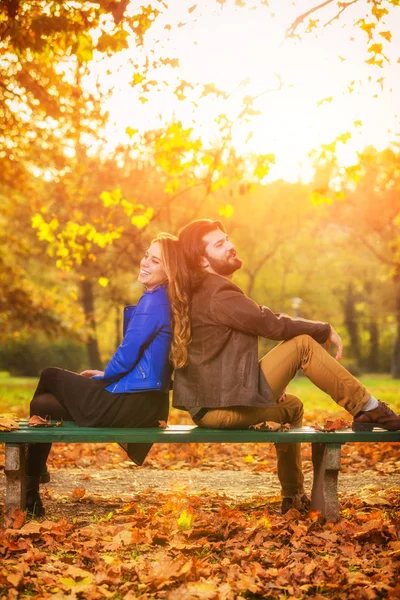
(326, 450)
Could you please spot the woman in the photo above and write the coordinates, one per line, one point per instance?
(133, 389)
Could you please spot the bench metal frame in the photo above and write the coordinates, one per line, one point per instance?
(326, 451)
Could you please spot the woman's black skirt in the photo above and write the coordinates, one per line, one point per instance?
(89, 404)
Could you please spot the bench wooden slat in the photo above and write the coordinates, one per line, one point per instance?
(70, 432)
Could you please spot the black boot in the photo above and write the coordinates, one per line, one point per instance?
(34, 504)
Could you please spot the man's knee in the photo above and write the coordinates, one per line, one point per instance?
(304, 340)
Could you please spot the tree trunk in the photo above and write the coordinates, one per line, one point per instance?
(372, 359)
(88, 309)
(372, 362)
(350, 319)
(396, 344)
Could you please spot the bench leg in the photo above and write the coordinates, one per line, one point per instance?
(326, 463)
(14, 469)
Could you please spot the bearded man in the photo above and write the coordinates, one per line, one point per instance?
(225, 386)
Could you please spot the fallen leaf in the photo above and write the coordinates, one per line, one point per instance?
(78, 493)
(163, 424)
(270, 426)
(8, 424)
(36, 421)
(336, 425)
(15, 519)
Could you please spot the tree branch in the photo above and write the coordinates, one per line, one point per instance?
(343, 6)
(291, 30)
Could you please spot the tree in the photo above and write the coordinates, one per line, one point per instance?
(364, 198)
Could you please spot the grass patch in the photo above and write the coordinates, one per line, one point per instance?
(17, 392)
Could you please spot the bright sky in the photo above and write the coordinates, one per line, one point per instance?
(226, 44)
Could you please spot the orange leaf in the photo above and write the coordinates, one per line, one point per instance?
(36, 421)
(15, 519)
(78, 493)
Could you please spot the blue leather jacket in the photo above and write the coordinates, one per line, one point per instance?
(142, 360)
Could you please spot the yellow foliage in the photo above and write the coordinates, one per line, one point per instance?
(172, 186)
(226, 211)
(85, 47)
(111, 198)
(103, 281)
(263, 164)
(320, 197)
(141, 221)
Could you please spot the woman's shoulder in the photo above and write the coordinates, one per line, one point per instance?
(153, 299)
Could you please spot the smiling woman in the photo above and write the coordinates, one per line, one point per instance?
(133, 389)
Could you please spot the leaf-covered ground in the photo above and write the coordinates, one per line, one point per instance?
(182, 545)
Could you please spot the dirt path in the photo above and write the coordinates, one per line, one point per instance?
(82, 493)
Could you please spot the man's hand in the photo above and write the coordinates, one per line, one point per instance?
(282, 397)
(91, 373)
(335, 339)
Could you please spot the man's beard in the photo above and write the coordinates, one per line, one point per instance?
(225, 266)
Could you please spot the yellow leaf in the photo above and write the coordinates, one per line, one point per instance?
(185, 520)
(378, 12)
(373, 61)
(137, 78)
(311, 25)
(328, 100)
(248, 459)
(386, 34)
(131, 132)
(368, 28)
(375, 48)
(103, 281)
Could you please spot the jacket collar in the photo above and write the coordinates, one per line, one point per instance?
(163, 286)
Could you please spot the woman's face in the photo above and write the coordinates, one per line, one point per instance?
(152, 272)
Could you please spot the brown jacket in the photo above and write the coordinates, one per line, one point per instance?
(222, 368)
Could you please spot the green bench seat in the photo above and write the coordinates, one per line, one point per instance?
(326, 450)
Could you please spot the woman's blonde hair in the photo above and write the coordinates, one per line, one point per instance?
(178, 292)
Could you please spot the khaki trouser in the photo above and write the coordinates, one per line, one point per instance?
(279, 367)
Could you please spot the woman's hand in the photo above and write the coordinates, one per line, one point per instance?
(336, 340)
(91, 373)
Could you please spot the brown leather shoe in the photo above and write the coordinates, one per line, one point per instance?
(382, 417)
(301, 503)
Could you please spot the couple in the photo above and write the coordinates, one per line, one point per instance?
(218, 377)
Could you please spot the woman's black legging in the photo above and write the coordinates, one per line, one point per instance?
(44, 405)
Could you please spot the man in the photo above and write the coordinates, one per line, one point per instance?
(224, 386)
